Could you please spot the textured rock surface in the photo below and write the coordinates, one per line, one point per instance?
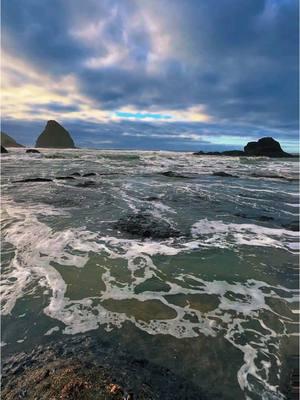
(145, 225)
(55, 136)
(83, 368)
(8, 141)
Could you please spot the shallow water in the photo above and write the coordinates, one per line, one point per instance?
(216, 304)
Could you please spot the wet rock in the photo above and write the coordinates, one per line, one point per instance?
(33, 151)
(172, 174)
(89, 174)
(3, 149)
(292, 226)
(87, 368)
(265, 146)
(65, 178)
(224, 174)
(33, 180)
(152, 198)
(145, 225)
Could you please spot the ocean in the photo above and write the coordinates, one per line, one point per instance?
(160, 254)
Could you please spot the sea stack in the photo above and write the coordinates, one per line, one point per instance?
(265, 146)
(55, 136)
(8, 141)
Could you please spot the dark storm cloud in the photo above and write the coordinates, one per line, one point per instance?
(239, 58)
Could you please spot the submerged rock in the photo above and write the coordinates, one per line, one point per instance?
(8, 141)
(55, 136)
(32, 151)
(263, 218)
(172, 174)
(3, 149)
(86, 184)
(265, 146)
(145, 225)
(292, 226)
(89, 174)
(273, 176)
(224, 174)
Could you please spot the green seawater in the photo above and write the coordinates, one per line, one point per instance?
(217, 304)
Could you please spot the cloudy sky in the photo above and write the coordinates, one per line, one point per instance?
(151, 74)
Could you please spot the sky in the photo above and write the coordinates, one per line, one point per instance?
(152, 74)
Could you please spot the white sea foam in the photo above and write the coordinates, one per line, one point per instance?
(38, 247)
(221, 234)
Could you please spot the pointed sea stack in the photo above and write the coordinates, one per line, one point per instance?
(8, 141)
(55, 136)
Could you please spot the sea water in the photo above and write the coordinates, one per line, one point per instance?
(217, 304)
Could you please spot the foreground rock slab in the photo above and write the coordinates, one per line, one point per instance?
(84, 368)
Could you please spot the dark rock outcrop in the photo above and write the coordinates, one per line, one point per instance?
(65, 178)
(33, 151)
(233, 153)
(145, 225)
(230, 153)
(34, 180)
(89, 174)
(172, 174)
(3, 149)
(265, 146)
(8, 141)
(55, 136)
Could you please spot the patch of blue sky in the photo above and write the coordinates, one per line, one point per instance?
(142, 115)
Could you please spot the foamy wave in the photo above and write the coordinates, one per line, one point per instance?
(220, 234)
(37, 247)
